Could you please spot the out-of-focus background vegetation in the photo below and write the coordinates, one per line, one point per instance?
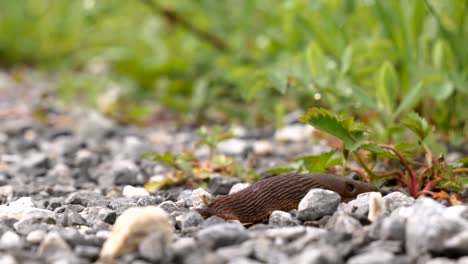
(249, 61)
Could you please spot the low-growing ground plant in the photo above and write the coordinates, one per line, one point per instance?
(189, 170)
(412, 163)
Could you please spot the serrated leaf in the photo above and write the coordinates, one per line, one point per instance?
(326, 121)
(387, 87)
(417, 124)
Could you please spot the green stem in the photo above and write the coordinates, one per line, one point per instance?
(363, 165)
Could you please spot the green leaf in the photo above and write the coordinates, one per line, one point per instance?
(281, 170)
(319, 163)
(346, 59)
(441, 91)
(167, 158)
(316, 60)
(417, 124)
(442, 56)
(351, 134)
(461, 163)
(410, 100)
(387, 88)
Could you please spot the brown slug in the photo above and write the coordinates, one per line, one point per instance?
(282, 192)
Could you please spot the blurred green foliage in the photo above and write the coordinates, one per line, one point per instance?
(375, 59)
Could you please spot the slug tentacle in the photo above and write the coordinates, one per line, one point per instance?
(282, 192)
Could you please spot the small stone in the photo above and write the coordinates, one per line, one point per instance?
(358, 207)
(190, 219)
(6, 192)
(36, 161)
(70, 218)
(130, 191)
(169, 206)
(269, 255)
(86, 198)
(126, 172)
(85, 159)
(182, 247)
(286, 233)
(54, 248)
(200, 198)
(133, 226)
(317, 203)
(342, 222)
(213, 220)
(238, 187)
(395, 200)
(428, 229)
(393, 228)
(377, 257)
(89, 252)
(185, 199)
(7, 259)
(243, 260)
(94, 214)
(36, 219)
(294, 133)
(458, 244)
(281, 219)
(395, 247)
(17, 209)
(321, 254)
(10, 240)
(222, 235)
(263, 147)
(232, 147)
(221, 185)
(153, 248)
(440, 261)
(36, 236)
(457, 212)
(235, 251)
(121, 204)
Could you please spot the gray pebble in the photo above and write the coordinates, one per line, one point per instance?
(86, 198)
(36, 236)
(126, 172)
(169, 206)
(153, 248)
(221, 185)
(375, 257)
(342, 222)
(190, 219)
(395, 200)
(318, 254)
(222, 235)
(7, 259)
(89, 252)
(317, 203)
(10, 240)
(281, 219)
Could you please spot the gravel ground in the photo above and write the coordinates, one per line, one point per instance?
(73, 195)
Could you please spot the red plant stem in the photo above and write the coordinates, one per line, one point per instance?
(429, 186)
(414, 186)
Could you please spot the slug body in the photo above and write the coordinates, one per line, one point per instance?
(282, 192)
